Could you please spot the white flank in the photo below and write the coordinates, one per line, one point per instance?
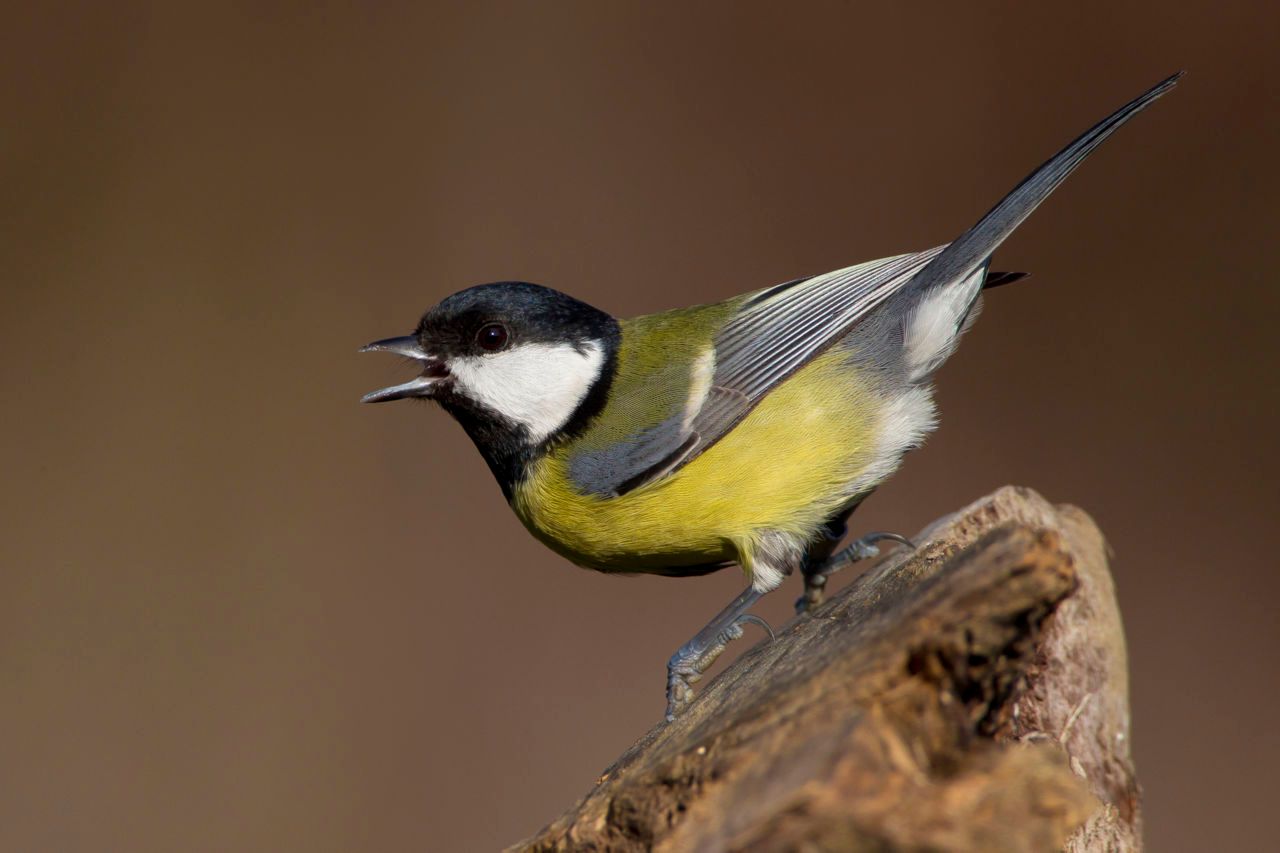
(537, 385)
(904, 423)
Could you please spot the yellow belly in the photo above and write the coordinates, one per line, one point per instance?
(787, 467)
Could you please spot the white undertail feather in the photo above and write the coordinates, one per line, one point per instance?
(537, 385)
(933, 326)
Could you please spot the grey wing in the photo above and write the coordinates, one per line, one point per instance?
(778, 330)
(774, 333)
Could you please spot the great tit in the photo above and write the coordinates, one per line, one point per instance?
(741, 432)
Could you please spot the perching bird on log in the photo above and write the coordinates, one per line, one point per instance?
(742, 432)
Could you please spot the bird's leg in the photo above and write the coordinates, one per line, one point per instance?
(817, 567)
(694, 658)
(810, 568)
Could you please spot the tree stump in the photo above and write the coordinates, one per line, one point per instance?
(968, 695)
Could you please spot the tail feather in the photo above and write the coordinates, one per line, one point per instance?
(1000, 279)
(940, 299)
(974, 247)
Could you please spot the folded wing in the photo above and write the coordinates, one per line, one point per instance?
(777, 331)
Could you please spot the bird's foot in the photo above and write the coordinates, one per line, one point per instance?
(695, 657)
(815, 576)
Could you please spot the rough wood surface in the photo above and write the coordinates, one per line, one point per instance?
(970, 695)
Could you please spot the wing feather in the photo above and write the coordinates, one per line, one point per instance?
(773, 334)
(768, 341)
(777, 330)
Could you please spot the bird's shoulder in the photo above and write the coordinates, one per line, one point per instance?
(663, 365)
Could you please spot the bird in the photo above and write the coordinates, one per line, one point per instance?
(742, 432)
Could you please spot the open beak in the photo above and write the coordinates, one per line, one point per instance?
(434, 370)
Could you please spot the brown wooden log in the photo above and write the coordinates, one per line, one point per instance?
(969, 695)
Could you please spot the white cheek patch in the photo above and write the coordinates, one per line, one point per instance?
(536, 385)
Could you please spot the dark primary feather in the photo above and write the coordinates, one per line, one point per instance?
(972, 248)
(1000, 279)
(780, 329)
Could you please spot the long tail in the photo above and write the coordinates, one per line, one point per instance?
(972, 249)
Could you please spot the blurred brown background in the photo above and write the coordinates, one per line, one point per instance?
(239, 611)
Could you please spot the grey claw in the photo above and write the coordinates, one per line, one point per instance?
(756, 620)
(679, 693)
(683, 670)
(892, 537)
(865, 548)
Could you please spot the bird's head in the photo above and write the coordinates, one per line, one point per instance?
(511, 359)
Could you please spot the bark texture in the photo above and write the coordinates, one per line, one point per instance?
(969, 695)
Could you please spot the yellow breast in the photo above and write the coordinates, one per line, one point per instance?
(787, 466)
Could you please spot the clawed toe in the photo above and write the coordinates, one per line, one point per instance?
(815, 577)
(695, 657)
(755, 620)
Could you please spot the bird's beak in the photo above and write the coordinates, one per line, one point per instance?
(434, 370)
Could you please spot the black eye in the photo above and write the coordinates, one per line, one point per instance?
(492, 337)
